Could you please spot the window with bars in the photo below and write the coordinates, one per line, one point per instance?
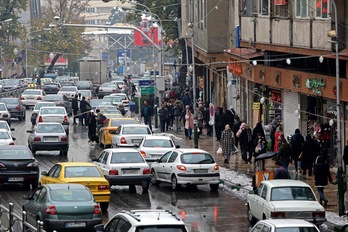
(322, 8)
(263, 7)
(302, 8)
(281, 11)
(248, 8)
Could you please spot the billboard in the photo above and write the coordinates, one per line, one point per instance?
(151, 32)
(121, 55)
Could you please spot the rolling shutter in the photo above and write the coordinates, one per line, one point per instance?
(290, 106)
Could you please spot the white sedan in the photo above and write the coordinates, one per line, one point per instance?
(153, 147)
(4, 125)
(69, 91)
(124, 166)
(5, 114)
(124, 98)
(187, 166)
(6, 137)
(274, 225)
(284, 199)
(129, 135)
(31, 96)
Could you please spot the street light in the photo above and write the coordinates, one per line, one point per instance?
(262, 101)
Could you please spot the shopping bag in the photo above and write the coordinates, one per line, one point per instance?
(234, 149)
(219, 151)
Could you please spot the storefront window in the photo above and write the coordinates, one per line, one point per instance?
(275, 105)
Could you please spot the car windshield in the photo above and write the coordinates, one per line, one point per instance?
(113, 98)
(68, 88)
(43, 104)
(290, 193)
(53, 97)
(71, 195)
(50, 128)
(53, 110)
(4, 135)
(9, 100)
(296, 229)
(85, 93)
(161, 228)
(83, 84)
(158, 143)
(126, 157)
(82, 171)
(111, 111)
(108, 84)
(196, 158)
(98, 103)
(15, 154)
(117, 122)
(32, 92)
(136, 131)
(2, 107)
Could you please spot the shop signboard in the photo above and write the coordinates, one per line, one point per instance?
(147, 90)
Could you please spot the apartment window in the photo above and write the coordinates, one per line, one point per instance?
(249, 8)
(263, 7)
(322, 8)
(90, 22)
(302, 9)
(281, 9)
(202, 14)
(90, 10)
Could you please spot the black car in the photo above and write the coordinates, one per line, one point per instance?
(85, 85)
(15, 107)
(51, 88)
(60, 100)
(18, 166)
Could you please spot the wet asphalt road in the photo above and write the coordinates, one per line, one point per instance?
(201, 209)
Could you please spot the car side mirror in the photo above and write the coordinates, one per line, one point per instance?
(99, 228)
(44, 173)
(12, 129)
(177, 146)
(29, 131)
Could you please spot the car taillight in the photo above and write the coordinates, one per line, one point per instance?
(51, 210)
(65, 119)
(11, 143)
(279, 215)
(113, 172)
(64, 139)
(181, 167)
(146, 171)
(123, 140)
(97, 209)
(18, 108)
(37, 139)
(103, 187)
(40, 119)
(2, 165)
(22, 98)
(143, 153)
(38, 98)
(216, 167)
(5, 115)
(318, 214)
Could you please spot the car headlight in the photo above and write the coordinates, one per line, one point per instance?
(33, 164)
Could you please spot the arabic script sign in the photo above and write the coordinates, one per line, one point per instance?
(315, 84)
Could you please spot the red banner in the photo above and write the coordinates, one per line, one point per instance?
(279, 2)
(140, 40)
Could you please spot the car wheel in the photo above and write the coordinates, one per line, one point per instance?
(154, 180)
(214, 187)
(145, 186)
(175, 185)
(132, 188)
(251, 217)
(104, 206)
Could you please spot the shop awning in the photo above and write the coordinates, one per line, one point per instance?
(244, 53)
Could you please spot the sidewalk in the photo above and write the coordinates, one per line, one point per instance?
(237, 176)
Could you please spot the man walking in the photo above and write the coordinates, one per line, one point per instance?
(163, 116)
(83, 109)
(74, 107)
(146, 113)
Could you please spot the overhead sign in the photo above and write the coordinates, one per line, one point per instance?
(146, 82)
(147, 90)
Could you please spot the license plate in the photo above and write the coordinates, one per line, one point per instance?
(75, 224)
(200, 170)
(31, 97)
(136, 140)
(51, 139)
(130, 171)
(15, 179)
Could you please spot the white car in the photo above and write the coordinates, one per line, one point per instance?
(85, 93)
(108, 88)
(284, 199)
(54, 114)
(153, 147)
(68, 91)
(275, 225)
(115, 100)
(31, 96)
(124, 166)
(6, 138)
(129, 135)
(125, 100)
(187, 166)
(144, 220)
(4, 125)
(38, 106)
(5, 114)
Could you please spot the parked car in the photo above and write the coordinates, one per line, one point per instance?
(68, 91)
(152, 147)
(31, 96)
(187, 166)
(84, 173)
(5, 113)
(51, 88)
(6, 137)
(284, 199)
(18, 166)
(129, 135)
(15, 107)
(48, 136)
(54, 114)
(59, 100)
(63, 207)
(124, 166)
(108, 88)
(144, 220)
(276, 225)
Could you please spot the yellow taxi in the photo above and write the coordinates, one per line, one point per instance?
(110, 127)
(84, 173)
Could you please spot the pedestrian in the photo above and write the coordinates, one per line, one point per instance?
(235, 129)
(281, 172)
(259, 130)
(83, 108)
(186, 100)
(92, 126)
(219, 122)
(260, 144)
(199, 118)
(146, 113)
(278, 138)
(246, 142)
(229, 116)
(207, 120)
(170, 120)
(101, 119)
(177, 111)
(188, 123)
(321, 177)
(311, 150)
(74, 107)
(163, 116)
(274, 125)
(284, 154)
(121, 109)
(297, 141)
(227, 143)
